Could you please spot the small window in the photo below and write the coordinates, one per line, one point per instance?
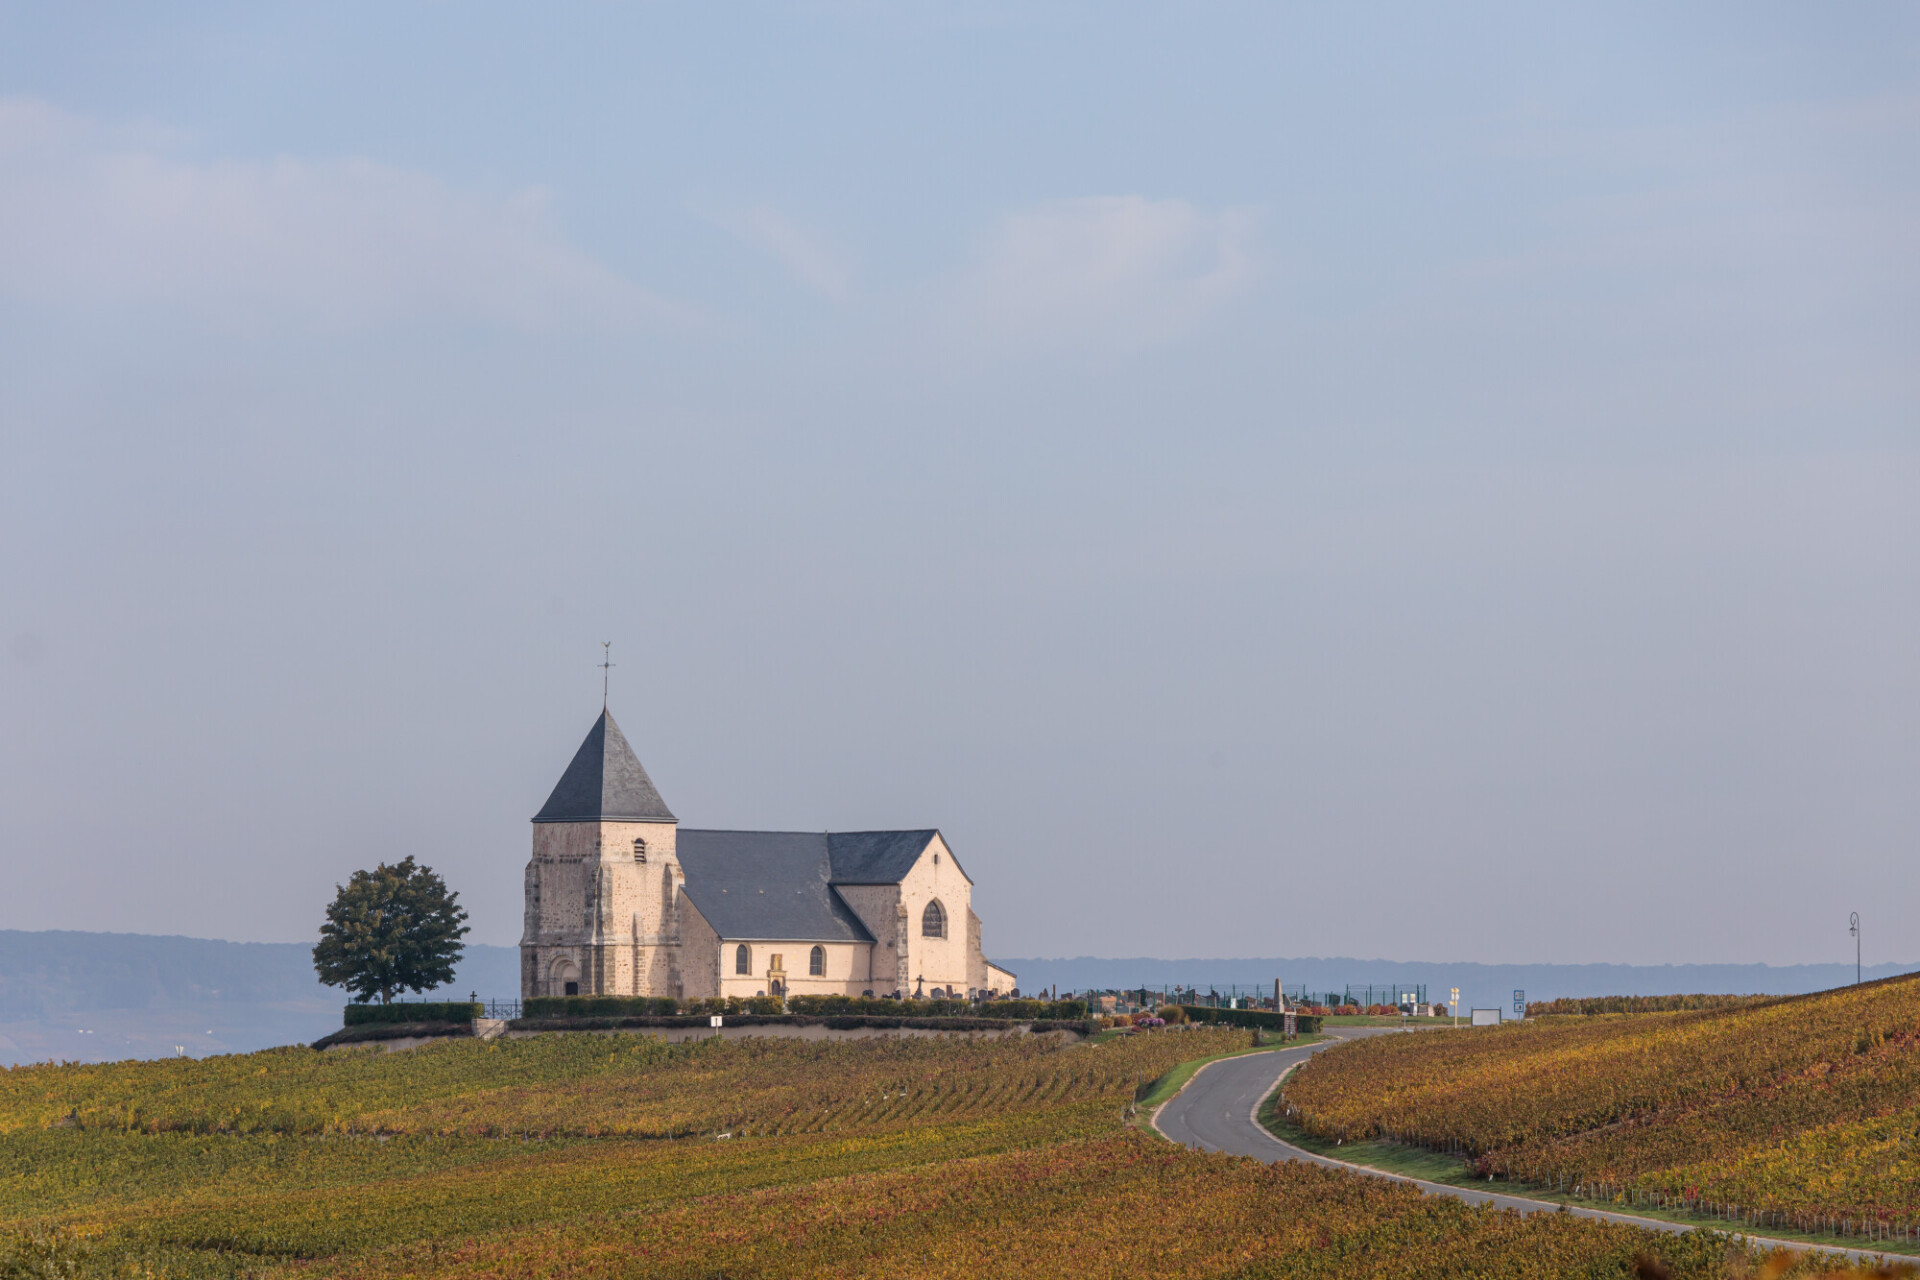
(743, 959)
(936, 859)
(933, 921)
(817, 963)
(639, 849)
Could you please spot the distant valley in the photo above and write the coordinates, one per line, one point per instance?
(100, 997)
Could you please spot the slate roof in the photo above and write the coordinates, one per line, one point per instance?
(605, 780)
(767, 885)
(878, 857)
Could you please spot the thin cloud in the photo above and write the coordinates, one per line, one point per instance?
(88, 217)
(1107, 270)
(801, 255)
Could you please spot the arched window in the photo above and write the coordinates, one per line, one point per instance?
(743, 959)
(933, 921)
(817, 962)
(639, 849)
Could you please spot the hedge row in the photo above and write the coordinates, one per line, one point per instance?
(360, 1015)
(1590, 1005)
(1000, 1010)
(547, 1008)
(839, 1022)
(1306, 1024)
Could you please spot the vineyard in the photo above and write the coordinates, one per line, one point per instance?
(614, 1155)
(1798, 1114)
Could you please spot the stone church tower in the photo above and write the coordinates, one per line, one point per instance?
(603, 887)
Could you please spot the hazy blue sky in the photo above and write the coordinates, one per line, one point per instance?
(1422, 481)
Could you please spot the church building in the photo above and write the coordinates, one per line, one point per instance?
(622, 901)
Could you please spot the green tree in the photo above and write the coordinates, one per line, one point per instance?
(395, 928)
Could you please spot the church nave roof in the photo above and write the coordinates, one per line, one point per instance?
(771, 885)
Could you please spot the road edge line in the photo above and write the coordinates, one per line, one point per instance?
(1153, 1121)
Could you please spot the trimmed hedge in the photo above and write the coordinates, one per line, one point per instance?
(598, 1006)
(837, 1022)
(547, 1008)
(1586, 1006)
(361, 1015)
(1306, 1024)
(997, 1010)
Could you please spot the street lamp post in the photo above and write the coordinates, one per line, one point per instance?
(1853, 927)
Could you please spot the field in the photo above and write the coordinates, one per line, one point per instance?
(614, 1155)
(1800, 1113)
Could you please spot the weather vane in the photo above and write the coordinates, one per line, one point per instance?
(606, 669)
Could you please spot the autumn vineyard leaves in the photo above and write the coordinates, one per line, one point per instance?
(575, 1155)
(1799, 1113)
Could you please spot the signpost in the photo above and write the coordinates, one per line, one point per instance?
(1519, 1003)
(1453, 1005)
(1853, 927)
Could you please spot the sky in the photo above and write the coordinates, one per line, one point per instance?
(1425, 482)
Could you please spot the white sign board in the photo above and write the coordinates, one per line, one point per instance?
(1486, 1017)
(714, 1021)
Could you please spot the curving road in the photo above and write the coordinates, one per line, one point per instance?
(1216, 1112)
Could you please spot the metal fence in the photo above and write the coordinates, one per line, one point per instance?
(489, 1008)
(1363, 994)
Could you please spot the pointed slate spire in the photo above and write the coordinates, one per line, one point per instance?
(605, 780)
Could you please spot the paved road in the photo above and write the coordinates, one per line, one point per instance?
(1215, 1112)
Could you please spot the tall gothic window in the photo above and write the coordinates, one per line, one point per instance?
(817, 962)
(743, 959)
(933, 921)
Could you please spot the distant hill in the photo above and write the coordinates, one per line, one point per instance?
(1482, 985)
(99, 997)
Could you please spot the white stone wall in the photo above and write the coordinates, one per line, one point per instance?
(847, 964)
(937, 962)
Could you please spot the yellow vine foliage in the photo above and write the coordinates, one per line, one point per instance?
(1796, 1111)
(620, 1156)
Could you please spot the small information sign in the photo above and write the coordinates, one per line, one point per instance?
(714, 1021)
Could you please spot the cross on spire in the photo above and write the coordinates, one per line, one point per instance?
(606, 669)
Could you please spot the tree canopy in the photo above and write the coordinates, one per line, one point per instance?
(395, 928)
